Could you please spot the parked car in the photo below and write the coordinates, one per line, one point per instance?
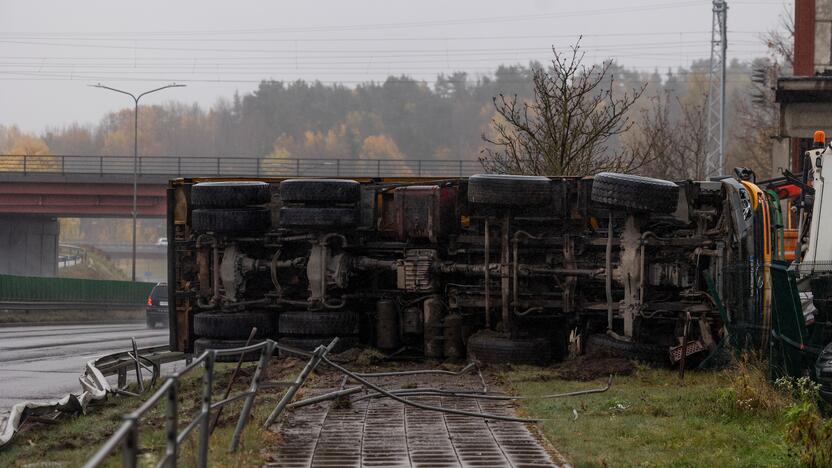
(156, 311)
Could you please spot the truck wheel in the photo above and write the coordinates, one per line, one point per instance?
(601, 345)
(320, 191)
(203, 344)
(823, 372)
(231, 220)
(233, 325)
(509, 190)
(635, 192)
(318, 323)
(821, 287)
(317, 217)
(230, 194)
(311, 343)
(493, 348)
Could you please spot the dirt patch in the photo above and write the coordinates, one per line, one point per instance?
(584, 368)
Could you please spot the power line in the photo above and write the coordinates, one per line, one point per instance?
(413, 24)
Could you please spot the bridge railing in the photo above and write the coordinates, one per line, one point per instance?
(191, 166)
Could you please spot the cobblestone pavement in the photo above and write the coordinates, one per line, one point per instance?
(385, 433)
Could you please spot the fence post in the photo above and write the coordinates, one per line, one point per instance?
(63, 171)
(101, 166)
(205, 414)
(130, 451)
(249, 401)
(257, 161)
(24, 164)
(179, 166)
(122, 371)
(218, 166)
(172, 423)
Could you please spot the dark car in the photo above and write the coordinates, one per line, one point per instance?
(157, 306)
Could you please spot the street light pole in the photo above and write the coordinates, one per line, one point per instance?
(136, 152)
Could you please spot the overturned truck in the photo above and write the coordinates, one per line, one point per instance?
(501, 268)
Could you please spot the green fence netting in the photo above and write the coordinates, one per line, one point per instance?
(71, 290)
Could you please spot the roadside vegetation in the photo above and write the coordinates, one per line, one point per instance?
(96, 265)
(73, 440)
(728, 418)
(650, 417)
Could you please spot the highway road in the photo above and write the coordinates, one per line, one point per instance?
(43, 363)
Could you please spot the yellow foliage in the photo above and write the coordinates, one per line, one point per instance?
(70, 229)
(28, 153)
(380, 146)
(284, 147)
(442, 153)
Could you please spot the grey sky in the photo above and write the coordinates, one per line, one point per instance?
(50, 50)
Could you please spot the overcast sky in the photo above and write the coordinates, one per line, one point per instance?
(52, 49)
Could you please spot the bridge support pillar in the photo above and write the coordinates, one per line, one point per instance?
(29, 245)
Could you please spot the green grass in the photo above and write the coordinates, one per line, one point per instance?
(74, 440)
(651, 418)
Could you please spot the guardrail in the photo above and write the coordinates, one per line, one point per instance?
(127, 435)
(231, 166)
(94, 384)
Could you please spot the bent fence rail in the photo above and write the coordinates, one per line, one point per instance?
(231, 166)
(33, 289)
(127, 435)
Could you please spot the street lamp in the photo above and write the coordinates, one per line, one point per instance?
(136, 150)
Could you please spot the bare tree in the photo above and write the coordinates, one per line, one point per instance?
(567, 127)
(672, 143)
(780, 41)
(757, 114)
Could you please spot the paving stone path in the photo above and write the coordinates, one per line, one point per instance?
(386, 433)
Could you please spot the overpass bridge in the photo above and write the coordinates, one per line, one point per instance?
(35, 190)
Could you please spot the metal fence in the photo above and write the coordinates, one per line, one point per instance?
(127, 435)
(187, 166)
(71, 290)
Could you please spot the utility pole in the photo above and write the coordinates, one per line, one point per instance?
(136, 152)
(715, 144)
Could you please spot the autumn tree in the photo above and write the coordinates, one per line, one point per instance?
(380, 147)
(24, 152)
(567, 126)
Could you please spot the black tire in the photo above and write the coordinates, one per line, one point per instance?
(230, 194)
(318, 217)
(823, 372)
(320, 191)
(509, 190)
(821, 287)
(635, 192)
(492, 348)
(318, 323)
(234, 325)
(203, 344)
(601, 345)
(231, 220)
(311, 343)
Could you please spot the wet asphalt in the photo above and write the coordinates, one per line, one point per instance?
(43, 362)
